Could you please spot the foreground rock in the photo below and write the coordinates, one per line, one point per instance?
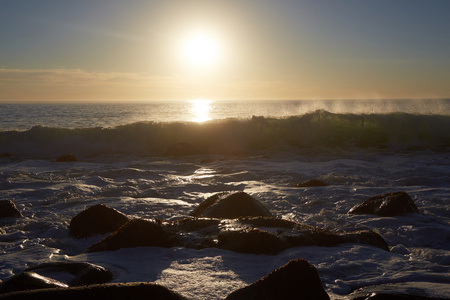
(8, 209)
(387, 205)
(135, 233)
(34, 278)
(230, 205)
(97, 219)
(110, 291)
(296, 280)
(259, 235)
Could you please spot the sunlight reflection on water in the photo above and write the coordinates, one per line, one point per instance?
(200, 110)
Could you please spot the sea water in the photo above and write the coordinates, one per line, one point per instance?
(360, 149)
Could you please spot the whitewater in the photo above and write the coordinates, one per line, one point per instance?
(360, 149)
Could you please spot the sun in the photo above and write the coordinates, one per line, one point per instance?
(201, 49)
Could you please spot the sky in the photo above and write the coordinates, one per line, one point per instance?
(141, 50)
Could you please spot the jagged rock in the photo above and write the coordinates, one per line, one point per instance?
(85, 273)
(230, 205)
(311, 183)
(181, 149)
(110, 291)
(135, 233)
(387, 205)
(97, 219)
(8, 209)
(29, 281)
(31, 278)
(295, 280)
(2, 231)
(261, 235)
(66, 158)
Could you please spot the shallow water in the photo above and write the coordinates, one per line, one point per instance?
(49, 194)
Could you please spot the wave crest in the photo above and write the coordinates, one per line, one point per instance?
(316, 130)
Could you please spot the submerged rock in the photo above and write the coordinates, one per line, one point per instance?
(66, 158)
(110, 291)
(31, 279)
(8, 209)
(387, 205)
(298, 279)
(259, 235)
(311, 183)
(230, 205)
(97, 219)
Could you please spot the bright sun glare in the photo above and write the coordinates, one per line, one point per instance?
(201, 49)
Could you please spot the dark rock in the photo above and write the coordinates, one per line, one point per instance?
(85, 273)
(110, 291)
(311, 183)
(252, 241)
(296, 280)
(135, 233)
(2, 231)
(8, 209)
(261, 235)
(66, 158)
(29, 281)
(387, 205)
(181, 149)
(230, 205)
(5, 155)
(97, 219)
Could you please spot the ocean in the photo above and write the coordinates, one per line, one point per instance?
(360, 148)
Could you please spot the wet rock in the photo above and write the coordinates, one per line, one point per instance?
(311, 183)
(41, 276)
(135, 233)
(181, 149)
(97, 219)
(387, 205)
(259, 235)
(8, 209)
(110, 291)
(230, 205)
(66, 158)
(253, 241)
(29, 281)
(84, 273)
(296, 280)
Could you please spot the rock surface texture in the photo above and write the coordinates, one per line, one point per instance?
(386, 205)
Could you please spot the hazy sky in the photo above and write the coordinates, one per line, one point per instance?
(95, 50)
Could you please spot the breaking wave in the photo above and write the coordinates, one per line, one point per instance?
(313, 131)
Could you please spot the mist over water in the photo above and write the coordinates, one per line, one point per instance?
(25, 116)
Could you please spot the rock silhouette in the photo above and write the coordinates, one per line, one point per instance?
(261, 235)
(8, 209)
(97, 219)
(295, 280)
(386, 205)
(230, 205)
